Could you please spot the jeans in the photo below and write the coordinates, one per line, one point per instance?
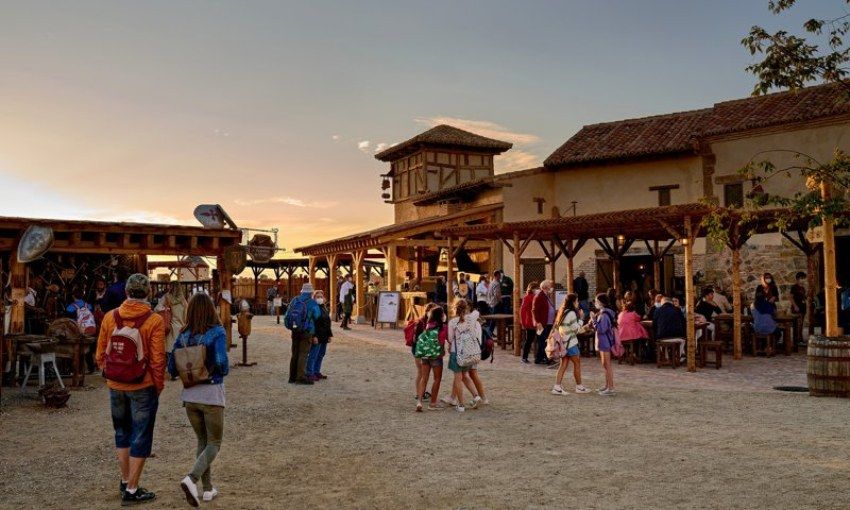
(301, 342)
(540, 357)
(314, 359)
(133, 418)
(208, 423)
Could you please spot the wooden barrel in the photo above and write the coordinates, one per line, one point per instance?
(829, 366)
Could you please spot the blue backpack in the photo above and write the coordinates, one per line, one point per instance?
(297, 316)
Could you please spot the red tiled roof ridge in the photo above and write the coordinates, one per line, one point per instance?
(659, 116)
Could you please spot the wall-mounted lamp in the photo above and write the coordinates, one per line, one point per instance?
(684, 241)
(621, 239)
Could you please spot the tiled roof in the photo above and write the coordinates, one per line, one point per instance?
(676, 133)
(443, 136)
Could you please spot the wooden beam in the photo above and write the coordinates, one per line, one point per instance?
(507, 244)
(311, 271)
(830, 275)
(359, 284)
(737, 308)
(332, 289)
(690, 301)
(450, 275)
(545, 250)
(460, 245)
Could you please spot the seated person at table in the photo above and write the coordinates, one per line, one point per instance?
(721, 300)
(657, 301)
(707, 308)
(629, 327)
(669, 323)
(764, 314)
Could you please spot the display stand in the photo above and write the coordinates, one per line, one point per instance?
(388, 307)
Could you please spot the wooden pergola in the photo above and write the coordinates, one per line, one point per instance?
(659, 228)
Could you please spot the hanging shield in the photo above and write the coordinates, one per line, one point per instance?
(235, 258)
(35, 242)
(210, 215)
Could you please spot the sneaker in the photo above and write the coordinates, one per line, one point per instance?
(210, 495)
(475, 401)
(600, 390)
(138, 497)
(460, 409)
(581, 389)
(304, 381)
(419, 407)
(122, 487)
(485, 401)
(191, 490)
(427, 395)
(321, 376)
(558, 390)
(449, 400)
(607, 392)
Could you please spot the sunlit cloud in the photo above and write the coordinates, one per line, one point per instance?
(363, 146)
(381, 146)
(294, 202)
(335, 138)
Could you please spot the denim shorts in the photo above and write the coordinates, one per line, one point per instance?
(133, 417)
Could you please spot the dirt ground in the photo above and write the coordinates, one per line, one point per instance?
(715, 439)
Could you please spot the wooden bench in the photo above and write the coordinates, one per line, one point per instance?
(769, 342)
(667, 352)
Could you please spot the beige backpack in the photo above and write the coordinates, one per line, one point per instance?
(190, 361)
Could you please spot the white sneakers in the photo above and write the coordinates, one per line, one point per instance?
(606, 392)
(448, 400)
(581, 389)
(475, 401)
(191, 490)
(558, 390)
(209, 495)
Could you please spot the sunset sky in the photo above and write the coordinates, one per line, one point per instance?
(142, 110)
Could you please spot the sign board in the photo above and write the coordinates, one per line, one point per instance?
(815, 234)
(35, 242)
(388, 307)
(235, 258)
(560, 297)
(261, 248)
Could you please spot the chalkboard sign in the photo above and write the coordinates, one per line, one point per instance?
(388, 307)
(560, 297)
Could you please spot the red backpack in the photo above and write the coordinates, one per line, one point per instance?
(125, 359)
(410, 332)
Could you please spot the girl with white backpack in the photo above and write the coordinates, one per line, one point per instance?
(464, 354)
(563, 343)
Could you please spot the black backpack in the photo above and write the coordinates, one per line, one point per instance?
(487, 345)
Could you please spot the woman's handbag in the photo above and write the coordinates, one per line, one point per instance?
(191, 363)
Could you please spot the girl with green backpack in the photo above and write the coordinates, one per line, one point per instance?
(429, 350)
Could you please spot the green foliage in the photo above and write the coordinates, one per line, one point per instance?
(791, 61)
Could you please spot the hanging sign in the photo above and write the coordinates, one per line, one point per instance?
(35, 242)
(388, 307)
(261, 248)
(235, 258)
(213, 216)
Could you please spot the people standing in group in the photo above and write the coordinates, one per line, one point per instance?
(441, 294)
(203, 400)
(582, 290)
(568, 322)
(482, 295)
(339, 281)
(175, 301)
(346, 300)
(301, 319)
(430, 348)
(604, 322)
(460, 288)
(134, 399)
(543, 312)
(494, 293)
(527, 320)
(115, 294)
(507, 288)
(320, 340)
(471, 286)
(418, 328)
(464, 326)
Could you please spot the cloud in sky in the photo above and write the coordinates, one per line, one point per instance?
(335, 138)
(294, 202)
(363, 146)
(520, 157)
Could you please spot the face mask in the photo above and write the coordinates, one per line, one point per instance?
(768, 280)
(320, 301)
(658, 305)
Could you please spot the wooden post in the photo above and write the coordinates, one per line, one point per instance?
(829, 270)
(419, 250)
(224, 307)
(811, 275)
(359, 284)
(332, 290)
(688, 241)
(517, 299)
(18, 272)
(570, 269)
(450, 274)
(392, 267)
(311, 270)
(737, 306)
(552, 262)
(656, 266)
(615, 268)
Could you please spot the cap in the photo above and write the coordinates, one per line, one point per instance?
(307, 287)
(138, 284)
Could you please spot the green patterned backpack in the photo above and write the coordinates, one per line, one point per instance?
(428, 345)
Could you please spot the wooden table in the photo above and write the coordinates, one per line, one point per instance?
(725, 322)
(75, 350)
(788, 323)
(501, 320)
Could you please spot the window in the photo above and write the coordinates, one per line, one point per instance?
(733, 194)
(664, 195)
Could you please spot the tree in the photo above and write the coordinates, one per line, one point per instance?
(791, 62)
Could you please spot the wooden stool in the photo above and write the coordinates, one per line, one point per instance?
(715, 346)
(667, 352)
(769, 344)
(629, 352)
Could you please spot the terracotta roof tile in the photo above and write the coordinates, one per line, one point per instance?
(675, 133)
(443, 136)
